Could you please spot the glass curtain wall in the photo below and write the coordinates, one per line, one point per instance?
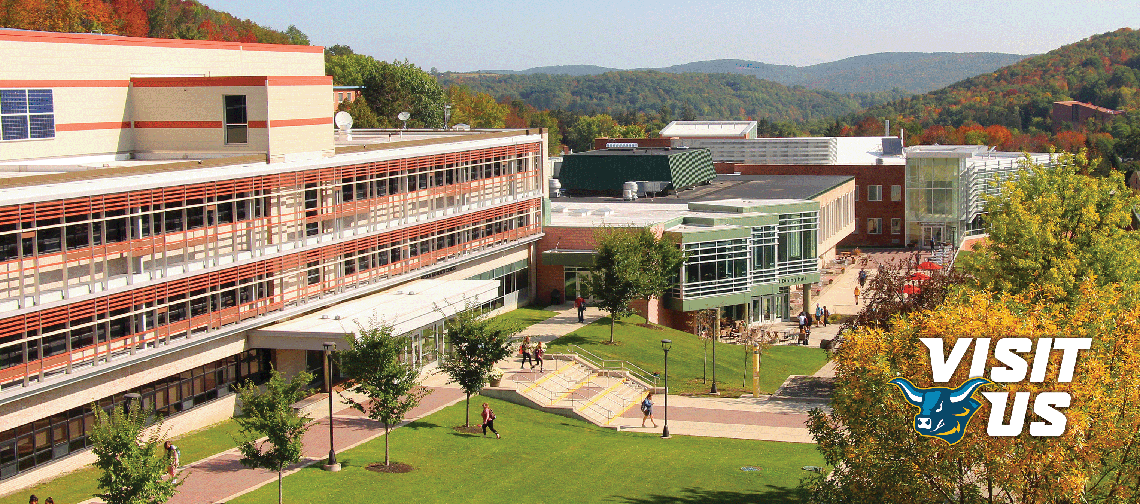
(716, 267)
(796, 251)
(931, 196)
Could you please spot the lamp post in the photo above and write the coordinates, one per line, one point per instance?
(446, 115)
(332, 465)
(666, 345)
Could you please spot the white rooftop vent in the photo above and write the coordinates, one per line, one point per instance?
(578, 212)
(604, 211)
(621, 145)
(558, 209)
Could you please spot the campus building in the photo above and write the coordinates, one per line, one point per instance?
(176, 217)
(946, 186)
(752, 242)
(876, 163)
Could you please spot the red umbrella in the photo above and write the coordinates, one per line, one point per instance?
(919, 276)
(910, 289)
(929, 266)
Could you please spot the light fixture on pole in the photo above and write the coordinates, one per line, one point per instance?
(132, 397)
(332, 464)
(666, 345)
(446, 115)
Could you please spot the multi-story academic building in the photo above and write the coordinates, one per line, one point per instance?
(176, 216)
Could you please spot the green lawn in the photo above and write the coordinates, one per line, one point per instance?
(80, 485)
(547, 458)
(642, 346)
(524, 317)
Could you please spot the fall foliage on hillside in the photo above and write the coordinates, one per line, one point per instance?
(179, 19)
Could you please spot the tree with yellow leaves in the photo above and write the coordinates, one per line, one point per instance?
(869, 439)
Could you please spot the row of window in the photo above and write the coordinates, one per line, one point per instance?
(49, 236)
(26, 114)
(875, 226)
(47, 439)
(875, 193)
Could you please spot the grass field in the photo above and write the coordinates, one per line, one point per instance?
(547, 458)
(80, 485)
(642, 346)
(524, 317)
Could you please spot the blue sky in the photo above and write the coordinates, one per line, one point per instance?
(470, 35)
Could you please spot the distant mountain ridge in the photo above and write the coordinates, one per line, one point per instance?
(914, 72)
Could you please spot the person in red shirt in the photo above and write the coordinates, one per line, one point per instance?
(489, 421)
(580, 304)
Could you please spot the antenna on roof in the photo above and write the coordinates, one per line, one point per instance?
(343, 122)
(403, 116)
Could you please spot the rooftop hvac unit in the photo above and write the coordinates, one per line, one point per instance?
(621, 145)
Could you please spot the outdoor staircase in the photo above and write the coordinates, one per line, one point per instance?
(578, 385)
(943, 255)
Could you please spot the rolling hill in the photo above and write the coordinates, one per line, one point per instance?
(910, 71)
(1103, 70)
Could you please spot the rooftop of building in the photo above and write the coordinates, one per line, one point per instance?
(708, 128)
(740, 187)
(965, 151)
(1089, 105)
(632, 151)
(619, 213)
(51, 179)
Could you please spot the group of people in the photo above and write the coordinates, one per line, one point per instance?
(807, 320)
(532, 356)
(36, 500)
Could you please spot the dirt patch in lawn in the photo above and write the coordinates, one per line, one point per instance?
(393, 468)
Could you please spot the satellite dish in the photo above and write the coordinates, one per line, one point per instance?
(343, 120)
(403, 116)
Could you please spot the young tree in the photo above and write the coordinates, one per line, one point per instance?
(372, 361)
(702, 325)
(270, 414)
(132, 461)
(477, 343)
(1055, 227)
(614, 279)
(631, 265)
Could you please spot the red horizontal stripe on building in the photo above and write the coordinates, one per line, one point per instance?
(93, 126)
(258, 124)
(302, 80)
(198, 81)
(178, 124)
(62, 83)
(316, 121)
(85, 38)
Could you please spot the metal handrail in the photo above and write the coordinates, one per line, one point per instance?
(602, 364)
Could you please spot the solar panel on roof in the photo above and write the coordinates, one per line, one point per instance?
(892, 146)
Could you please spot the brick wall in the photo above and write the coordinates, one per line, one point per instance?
(865, 175)
(600, 143)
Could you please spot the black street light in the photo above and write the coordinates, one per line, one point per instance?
(666, 345)
(329, 347)
(134, 397)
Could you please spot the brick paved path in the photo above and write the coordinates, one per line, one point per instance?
(221, 477)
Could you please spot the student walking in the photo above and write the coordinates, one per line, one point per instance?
(647, 410)
(818, 314)
(580, 304)
(826, 315)
(489, 421)
(173, 456)
(538, 352)
(524, 349)
(856, 295)
(862, 277)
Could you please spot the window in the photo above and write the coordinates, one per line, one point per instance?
(874, 193)
(236, 121)
(896, 193)
(896, 225)
(856, 193)
(313, 275)
(875, 226)
(26, 113)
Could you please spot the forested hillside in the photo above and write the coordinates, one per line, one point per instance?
(1103, 70)
(181, 19)
(714, 96)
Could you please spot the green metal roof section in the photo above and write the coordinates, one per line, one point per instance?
(714, 234)
(606, 171)
(579, 258)
(832, 188)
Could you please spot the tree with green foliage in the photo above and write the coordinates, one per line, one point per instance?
(1054, 227)
(132, 463)
(269, 414)
(375, 364)
(362, 114)
(630, 265)
(296, 36)
(583, 132)
(476, 344)
(403, 87)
